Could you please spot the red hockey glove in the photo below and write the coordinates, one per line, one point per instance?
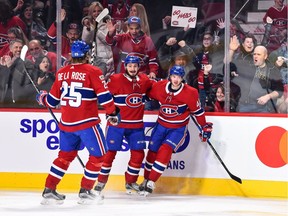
(114, 118)
(206, 132)
(40, 97)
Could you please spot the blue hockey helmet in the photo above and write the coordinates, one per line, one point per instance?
(132, 59)
(134, 19)
(79, 49)
(177, 70)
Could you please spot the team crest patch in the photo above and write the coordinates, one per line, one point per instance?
(169, 110)
(134, 100)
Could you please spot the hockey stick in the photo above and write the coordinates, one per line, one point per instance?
(22, 57)
(241, 9)
(235, 178)
(104, 13)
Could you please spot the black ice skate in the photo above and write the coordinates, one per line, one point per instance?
(131, 188)
(148, 189)
(52, 197)
(142, 185)
(88, 197)
(99, 187)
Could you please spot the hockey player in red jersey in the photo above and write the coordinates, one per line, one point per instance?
(178, 101)
(77, 89)
(129, 93)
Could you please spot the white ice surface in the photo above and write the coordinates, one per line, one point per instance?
(120, 204)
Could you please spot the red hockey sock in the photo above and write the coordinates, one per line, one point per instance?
(91, 172)
(134, 166)
(162, 159)
(150, 158)
(58, 168)
(106, 166)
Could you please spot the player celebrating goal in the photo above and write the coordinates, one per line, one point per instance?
(178, 102)
(77, 88)
(129, 92)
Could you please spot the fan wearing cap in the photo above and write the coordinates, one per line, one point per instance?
(136, 43)
(178, 102)
(72, 34)
(129, 91)
(77, 88)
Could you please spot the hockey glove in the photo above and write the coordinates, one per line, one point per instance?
(206, 132)
(40, 97)
(114, 118)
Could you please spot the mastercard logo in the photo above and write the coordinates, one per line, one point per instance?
(272, 146)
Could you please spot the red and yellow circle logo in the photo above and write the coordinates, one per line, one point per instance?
(272, 146)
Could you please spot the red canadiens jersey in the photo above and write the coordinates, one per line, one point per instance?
(77, 89)
(66, 47)
(176, 107)
(129, 95)
(279, 17)
(13, 22)
(143, 47)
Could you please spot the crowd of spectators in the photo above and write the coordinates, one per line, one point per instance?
(258, 79)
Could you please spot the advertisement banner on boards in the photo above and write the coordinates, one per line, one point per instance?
(30, 143)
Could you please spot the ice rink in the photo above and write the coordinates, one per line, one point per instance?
(119, 203)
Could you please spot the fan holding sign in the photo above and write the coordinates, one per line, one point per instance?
(184, 16)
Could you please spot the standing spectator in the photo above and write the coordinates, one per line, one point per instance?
(36, 50)
(120, 10)
(8, 20)
(79, 122)
(208, 58)
(276, 24)
(135, 42)
(45, 76)
(280, 58)
(97, 32)
(264, 87)
(139, 10)
(72, 34)
(170, 130)
(35, 26)
(173, 53)
(13, 33)
(242, 56)
(17, 6)
(16, 88)
(129, 92)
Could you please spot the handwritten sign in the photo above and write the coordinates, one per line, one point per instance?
(183, 16)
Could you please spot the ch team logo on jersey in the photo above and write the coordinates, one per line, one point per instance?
(169, 110)
(134, 100)
(3, 40)
(280, 23)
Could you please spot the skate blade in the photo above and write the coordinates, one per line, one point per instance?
(143, 193)
(131, 192)
(86, 201)
(46, 201)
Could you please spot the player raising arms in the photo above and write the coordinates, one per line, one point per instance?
(129, 92)
(178, 101)
(77, 89)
